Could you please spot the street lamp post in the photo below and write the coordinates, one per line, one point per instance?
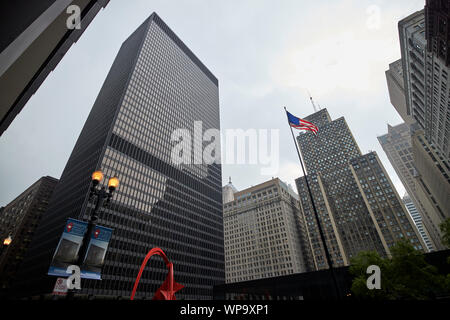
(6, 243)
(103, 198)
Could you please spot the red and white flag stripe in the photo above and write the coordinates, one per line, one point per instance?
(311, 127)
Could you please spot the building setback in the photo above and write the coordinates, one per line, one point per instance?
(155, 85)
(348, 220)
(19, 220)
(263, 233)
(34, 39)
(396, 89)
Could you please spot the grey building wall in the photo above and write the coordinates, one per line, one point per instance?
(427, 82)
(397, 145)
(433, 180)
(396, 89)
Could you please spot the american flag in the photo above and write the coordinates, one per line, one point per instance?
(301, 124)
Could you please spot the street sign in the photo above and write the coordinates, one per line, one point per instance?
(60, 288)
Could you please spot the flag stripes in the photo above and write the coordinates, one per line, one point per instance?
(301, 124)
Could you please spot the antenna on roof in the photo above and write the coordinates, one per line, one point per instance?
(312, 102)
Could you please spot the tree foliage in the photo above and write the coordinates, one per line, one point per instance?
(405, 276)
(445, 229)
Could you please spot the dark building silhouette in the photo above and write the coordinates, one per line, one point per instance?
(314, 286)
(437, 26)
(34, 38)
(19, 220)
(155, 85)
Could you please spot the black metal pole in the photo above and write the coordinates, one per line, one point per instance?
(322, 237)
(101, 196)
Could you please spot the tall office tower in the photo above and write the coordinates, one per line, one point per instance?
(263, 233)
(437, 18)
(35, 37)
(396, 89)
(358, 210)
(19, 220)
(398, 147)
(155, 86)
(417, 217)
(427, 82)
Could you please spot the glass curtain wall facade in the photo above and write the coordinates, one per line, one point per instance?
(156, 85)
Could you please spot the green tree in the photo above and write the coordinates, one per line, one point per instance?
(405, 276)
(445, 229)
(358, 267)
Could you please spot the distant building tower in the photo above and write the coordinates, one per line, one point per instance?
(349, 190)
(228, 192)
(263, 233)
(417, 220)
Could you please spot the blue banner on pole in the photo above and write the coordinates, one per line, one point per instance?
(95, 254)
(68, 247)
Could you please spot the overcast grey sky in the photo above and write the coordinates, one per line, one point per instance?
(266, 54)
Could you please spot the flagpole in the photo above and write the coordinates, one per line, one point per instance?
(322, 237)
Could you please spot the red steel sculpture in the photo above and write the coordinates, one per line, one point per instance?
(169, 287)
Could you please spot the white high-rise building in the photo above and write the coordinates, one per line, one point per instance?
(262, 232)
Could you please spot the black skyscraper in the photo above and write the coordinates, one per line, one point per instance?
(155, 85)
